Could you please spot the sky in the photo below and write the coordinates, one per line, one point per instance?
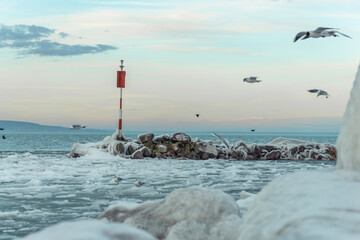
(59, 61)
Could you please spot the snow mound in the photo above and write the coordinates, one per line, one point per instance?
(306, 205)
(190, 213)
(348, 142)
(90, 230)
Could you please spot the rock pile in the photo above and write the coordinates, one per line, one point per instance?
(181, 146)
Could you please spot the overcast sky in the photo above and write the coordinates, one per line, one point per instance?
(59, 61)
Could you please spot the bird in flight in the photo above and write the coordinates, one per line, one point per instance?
(251, 80)
(319, 92)
(197, 115)
(77, 126)
(319, 32)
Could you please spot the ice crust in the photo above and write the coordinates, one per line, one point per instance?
(190, 213)
(306, 205)
(90, 230)
(348, 142)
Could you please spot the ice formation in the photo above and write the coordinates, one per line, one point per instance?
(190, 213)
(349, 138)
(180, 146)
(90, 230)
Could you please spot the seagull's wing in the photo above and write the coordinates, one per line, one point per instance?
(253, 78)
(223, 140)
(299, 35)
(321, 29)
(313, 90)
(342, 34)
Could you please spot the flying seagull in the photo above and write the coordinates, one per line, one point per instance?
(138, 183)
(319, 92)
(253, 130)
(1, 129)
(319, 32)
(3, 137)
(251, 80)
(223, 140)
(77, 126)
(197, 115)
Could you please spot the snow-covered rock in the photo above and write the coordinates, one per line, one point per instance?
(349, 137)
(209, 149)
(145, 137)
(191, 213)
(90, 230)
(180, 137)
(79, 150)
(181, 146)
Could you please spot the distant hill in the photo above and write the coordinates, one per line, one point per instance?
(17, 126)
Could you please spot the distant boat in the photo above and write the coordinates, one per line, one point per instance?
(77, 126)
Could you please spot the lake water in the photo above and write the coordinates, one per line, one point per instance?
(40, 185)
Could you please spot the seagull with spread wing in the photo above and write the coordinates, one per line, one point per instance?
(319, 32)
(319, 92)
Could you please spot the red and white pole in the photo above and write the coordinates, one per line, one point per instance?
(120, 84)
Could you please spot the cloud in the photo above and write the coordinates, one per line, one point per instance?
(63, 35)
(38, 40)
(24, 32)
(49, 48)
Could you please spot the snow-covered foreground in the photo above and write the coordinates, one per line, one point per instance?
(38, 190)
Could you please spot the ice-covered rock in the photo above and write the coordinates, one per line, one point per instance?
(191, 213)
(131, 147)
(273, 155)
(79, 150)
(90, 230)
(145, 137)
(137, 154)
(319, 205)
(180, 137)
(180, 145)
(161, 138)
(116, 147)
(161, 148)
(348, 141)
(208, 149)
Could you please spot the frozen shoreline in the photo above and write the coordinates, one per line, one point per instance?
(181, 146)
